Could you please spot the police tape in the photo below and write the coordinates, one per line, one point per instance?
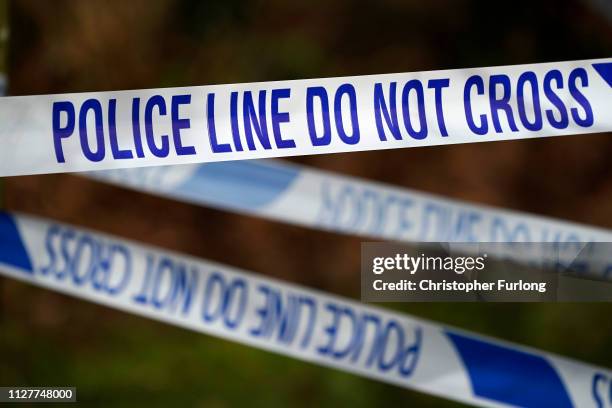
(287, 319)
(286, 192)
(124, 129)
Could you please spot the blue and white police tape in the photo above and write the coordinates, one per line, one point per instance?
(300, 195)
(294, 321)
(124, 129)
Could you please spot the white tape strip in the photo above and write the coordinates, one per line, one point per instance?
(299, 195)
(124, 129)
(290, 320)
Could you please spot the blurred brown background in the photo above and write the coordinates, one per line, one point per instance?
(72, 46)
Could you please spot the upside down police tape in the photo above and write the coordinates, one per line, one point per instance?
(300, 195)
(122, 129)
(290, 320)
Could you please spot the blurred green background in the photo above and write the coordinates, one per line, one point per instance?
(118, 359)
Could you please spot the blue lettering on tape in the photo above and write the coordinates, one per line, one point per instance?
(86, 260)
(526, 90)
(510, 376)
(12, 249)
(394, 347)
(280, 317)
(178, 292)
(601, 387)
(224, 300)
(349, 209)
(92, 117)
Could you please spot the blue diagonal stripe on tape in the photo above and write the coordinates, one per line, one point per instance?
(238, 184)
(605, 70)
(510, 376)
(12, 250)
